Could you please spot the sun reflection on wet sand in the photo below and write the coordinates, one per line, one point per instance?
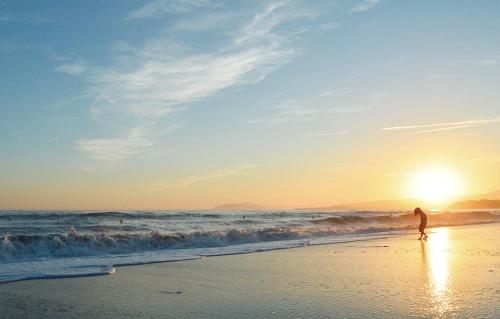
(438, 261)
(435, 255)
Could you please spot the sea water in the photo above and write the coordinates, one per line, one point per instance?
(43, 244)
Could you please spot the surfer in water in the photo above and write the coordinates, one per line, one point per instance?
(423, 222)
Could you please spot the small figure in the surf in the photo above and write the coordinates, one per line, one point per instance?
(71, 231)
(423, 222)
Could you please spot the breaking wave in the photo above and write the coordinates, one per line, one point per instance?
(74, 244)
(37, 245)
(434, 220)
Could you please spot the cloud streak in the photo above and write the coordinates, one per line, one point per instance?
(365, 5)
(195, 179)
(439, 127)
(116, 149)
(72, 68)
(168, 7)
(330, 26)
(294, 110)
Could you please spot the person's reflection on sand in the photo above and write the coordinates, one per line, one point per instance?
(423, 253)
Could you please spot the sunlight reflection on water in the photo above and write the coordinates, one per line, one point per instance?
(436, 257)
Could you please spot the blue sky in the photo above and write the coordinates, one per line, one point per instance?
(174, 98)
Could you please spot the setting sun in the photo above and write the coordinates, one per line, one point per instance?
(435, 185)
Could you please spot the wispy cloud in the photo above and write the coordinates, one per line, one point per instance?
(162, 7)
(206, 22)
(330, 26)
(446, 126)
(309, 108)
(161, 80)
(116, 149)
(158, 85)
(442, 129)
(365, 5)
(155, 80)
(138, 140)
(72, 68)
(195, 179)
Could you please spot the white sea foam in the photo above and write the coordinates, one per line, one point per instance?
(105, 264)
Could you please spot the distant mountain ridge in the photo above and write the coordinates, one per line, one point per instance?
(495, 195)
(487, 200)
(389, 204)
(471, 204)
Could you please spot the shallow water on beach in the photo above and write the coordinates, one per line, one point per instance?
(454, 274)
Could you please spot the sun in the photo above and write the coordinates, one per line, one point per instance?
(435, 185)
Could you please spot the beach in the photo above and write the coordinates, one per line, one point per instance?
(455, 273)
(249, 159)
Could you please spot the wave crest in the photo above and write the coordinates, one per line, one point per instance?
(74, 244)
(433, 220)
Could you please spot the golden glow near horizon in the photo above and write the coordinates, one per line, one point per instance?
(436, 185)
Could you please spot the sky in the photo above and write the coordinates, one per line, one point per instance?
(170, 104)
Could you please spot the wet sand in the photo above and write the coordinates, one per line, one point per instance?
(456, 273)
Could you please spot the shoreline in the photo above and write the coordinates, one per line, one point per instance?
(108, 264)
(451, 274)
(249, 248)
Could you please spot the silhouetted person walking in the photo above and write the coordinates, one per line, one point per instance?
(423, 222)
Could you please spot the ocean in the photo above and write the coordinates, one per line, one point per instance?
(44, 244)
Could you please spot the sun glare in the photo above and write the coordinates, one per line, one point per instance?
(435, 185)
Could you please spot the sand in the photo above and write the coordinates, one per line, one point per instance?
(455, 274)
